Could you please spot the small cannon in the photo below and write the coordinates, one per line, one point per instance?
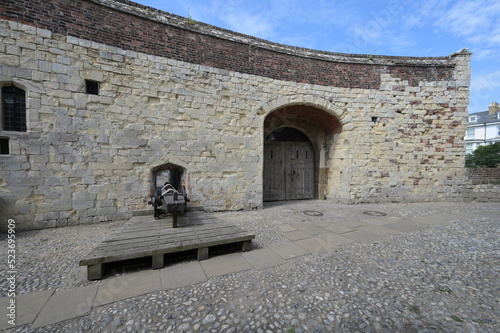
(172, 197)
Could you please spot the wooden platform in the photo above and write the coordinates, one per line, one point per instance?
(146, 237)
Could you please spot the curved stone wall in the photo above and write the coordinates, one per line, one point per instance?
(177, 92)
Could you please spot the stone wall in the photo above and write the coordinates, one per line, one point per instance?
(483, 175)
(481, 184)
(184, 93)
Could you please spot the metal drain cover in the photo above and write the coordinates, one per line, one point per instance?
(374, 213)
(313, 213)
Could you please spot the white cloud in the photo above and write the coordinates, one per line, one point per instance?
(237, 15)
(482, 54)
(477, 21)
(250, 24)
(401, 43)
(423, 13)
(484, 88)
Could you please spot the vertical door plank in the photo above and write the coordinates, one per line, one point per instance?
(274, 173)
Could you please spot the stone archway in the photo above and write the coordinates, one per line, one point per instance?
(306, 151)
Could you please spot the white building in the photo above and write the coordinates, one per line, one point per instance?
(483, 128)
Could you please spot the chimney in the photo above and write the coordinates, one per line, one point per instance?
(493, 108)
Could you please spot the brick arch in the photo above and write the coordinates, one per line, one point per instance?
(306, 100)
(302, 116)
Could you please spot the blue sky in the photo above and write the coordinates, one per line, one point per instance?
(427, 28)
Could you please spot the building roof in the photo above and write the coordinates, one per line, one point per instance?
(484, 117)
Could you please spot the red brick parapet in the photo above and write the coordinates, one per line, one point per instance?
(139, 28)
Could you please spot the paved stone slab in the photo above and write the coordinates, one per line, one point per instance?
(127, 286)
(288, 250)
(295, 235)
(225, 264)
(389, 218)
(334, 238)
(468, 215)
(380, 221)
(405, 226)
(310, 229)
(383, 221)
(263, 258)
(322, 224)
(316, 245)
(493, 214)
(286, 228)
(362, 236)
(338, 229)
(28, 306)
(66, 305)
(354, 223)
(374, 229)
(439, 219)
(182, 275)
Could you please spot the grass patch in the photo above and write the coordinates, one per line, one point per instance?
(444, 290)
(446, 277)
(479, 321)
(415, 309)
(457, 318)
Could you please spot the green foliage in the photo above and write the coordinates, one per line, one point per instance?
(415, 309)
(484, 157)
(479, 321)
(189, 19)
(444, 290)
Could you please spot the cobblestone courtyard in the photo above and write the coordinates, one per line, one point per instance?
(430, 267)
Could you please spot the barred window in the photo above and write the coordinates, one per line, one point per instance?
(13, 109)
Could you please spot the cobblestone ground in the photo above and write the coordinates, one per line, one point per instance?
(440, 279)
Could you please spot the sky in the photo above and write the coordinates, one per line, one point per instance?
(421, 28)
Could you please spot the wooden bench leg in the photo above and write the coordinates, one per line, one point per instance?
(203, 253)
(94, 272)
(246, 246)
(158, 261)
(174, 219)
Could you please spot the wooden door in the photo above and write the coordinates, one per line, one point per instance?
(300, 170)
(288, 170)
(274, 171)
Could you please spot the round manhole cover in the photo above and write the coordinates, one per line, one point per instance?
(374, 213)
(313, 213)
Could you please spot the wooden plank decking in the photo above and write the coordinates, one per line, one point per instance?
(146, 237)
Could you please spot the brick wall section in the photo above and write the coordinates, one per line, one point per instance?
(483, 175)
(416, 73)
(131, 27)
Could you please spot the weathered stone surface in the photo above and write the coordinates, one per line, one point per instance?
(87, 158)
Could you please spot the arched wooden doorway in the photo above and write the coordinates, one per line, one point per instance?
(288, 165)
